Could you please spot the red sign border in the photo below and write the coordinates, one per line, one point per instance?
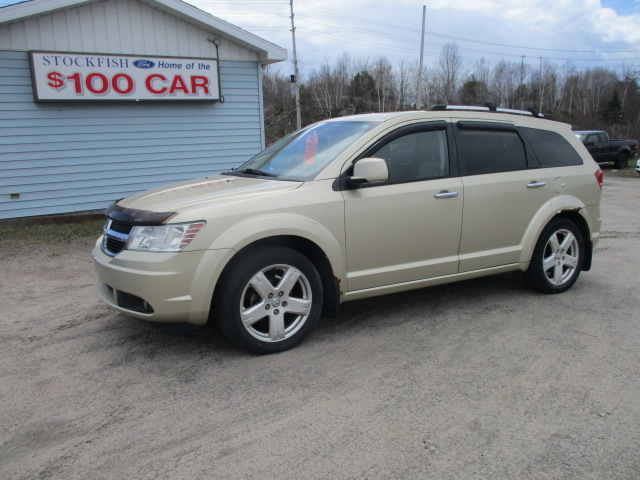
(125, 100)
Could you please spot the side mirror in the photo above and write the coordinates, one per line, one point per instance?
(368, 170)
(589, 144)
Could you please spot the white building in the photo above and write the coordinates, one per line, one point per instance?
(103, 98)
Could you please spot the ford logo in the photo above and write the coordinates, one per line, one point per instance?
(144, 63)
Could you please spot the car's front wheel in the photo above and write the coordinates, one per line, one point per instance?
(269, 301)
(557, 258)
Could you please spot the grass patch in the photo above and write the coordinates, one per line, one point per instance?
(52, 233)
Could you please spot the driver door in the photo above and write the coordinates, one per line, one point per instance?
(407, 228)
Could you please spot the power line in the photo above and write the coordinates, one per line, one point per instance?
(408, 29)
(439, 45)
(312, 25)
(321, 33)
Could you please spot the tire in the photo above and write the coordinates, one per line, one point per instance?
(622, 161)
(269, 301)
(557, 258)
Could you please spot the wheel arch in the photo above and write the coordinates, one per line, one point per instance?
(563, 206)
(576, 217)
(305, 246)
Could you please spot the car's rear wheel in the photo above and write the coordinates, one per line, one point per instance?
(557, 258)
(269, 301)
(622, 161)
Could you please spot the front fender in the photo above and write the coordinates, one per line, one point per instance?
(269, 225)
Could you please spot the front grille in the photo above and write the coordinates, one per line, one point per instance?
(133, 303)
(114, 246)
(116, 236)
(121, 227)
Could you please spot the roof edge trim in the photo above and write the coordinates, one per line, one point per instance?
(269, 52)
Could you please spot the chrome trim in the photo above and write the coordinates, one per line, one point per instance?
(517, 112)
(120, 236)
(535, 184)
(103, 247)
(470, 108)
(446, 195)
(108, 233)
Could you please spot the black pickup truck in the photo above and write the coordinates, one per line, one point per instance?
(603, 149)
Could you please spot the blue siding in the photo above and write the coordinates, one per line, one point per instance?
(74, 157)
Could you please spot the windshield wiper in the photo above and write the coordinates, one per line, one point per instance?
(254, 171)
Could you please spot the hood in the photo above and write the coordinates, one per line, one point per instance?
(205, 192)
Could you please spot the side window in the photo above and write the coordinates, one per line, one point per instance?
(602, 138)
(416, 156)
(489, 151)
(592, 139)
(551, 148)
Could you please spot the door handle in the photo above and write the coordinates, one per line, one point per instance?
(535, 184)
(446, 194)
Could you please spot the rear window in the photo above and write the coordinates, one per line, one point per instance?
(551, 148)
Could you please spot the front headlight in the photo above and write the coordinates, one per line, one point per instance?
(165, 238)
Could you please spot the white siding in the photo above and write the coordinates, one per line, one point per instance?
(70, 157)
(117, 27)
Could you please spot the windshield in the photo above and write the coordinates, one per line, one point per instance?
(304, 154)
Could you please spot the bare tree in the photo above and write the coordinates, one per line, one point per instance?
(450, 69)
(482, 73)
(593, 98)
(329, 87)
(383, 77)
(499, 84)
(521, 91)
(402, 79)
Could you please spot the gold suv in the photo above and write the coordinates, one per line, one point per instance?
(351, 208)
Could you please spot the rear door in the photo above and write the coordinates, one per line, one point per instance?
(504, 189)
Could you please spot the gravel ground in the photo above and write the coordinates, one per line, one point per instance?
(478, 380)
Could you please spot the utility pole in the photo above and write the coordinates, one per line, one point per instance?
(419, 94)
(295, 71)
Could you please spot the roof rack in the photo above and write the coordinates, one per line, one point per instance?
(491, 108)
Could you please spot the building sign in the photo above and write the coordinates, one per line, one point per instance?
(87, 76)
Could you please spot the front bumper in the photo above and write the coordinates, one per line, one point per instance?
(160, 287)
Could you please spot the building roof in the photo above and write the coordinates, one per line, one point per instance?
(269, 52)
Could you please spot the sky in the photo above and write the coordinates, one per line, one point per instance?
(584, 33)
(587, 33)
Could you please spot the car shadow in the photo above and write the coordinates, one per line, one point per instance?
(137, 338)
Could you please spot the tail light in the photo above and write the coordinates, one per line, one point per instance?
(599, 178)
